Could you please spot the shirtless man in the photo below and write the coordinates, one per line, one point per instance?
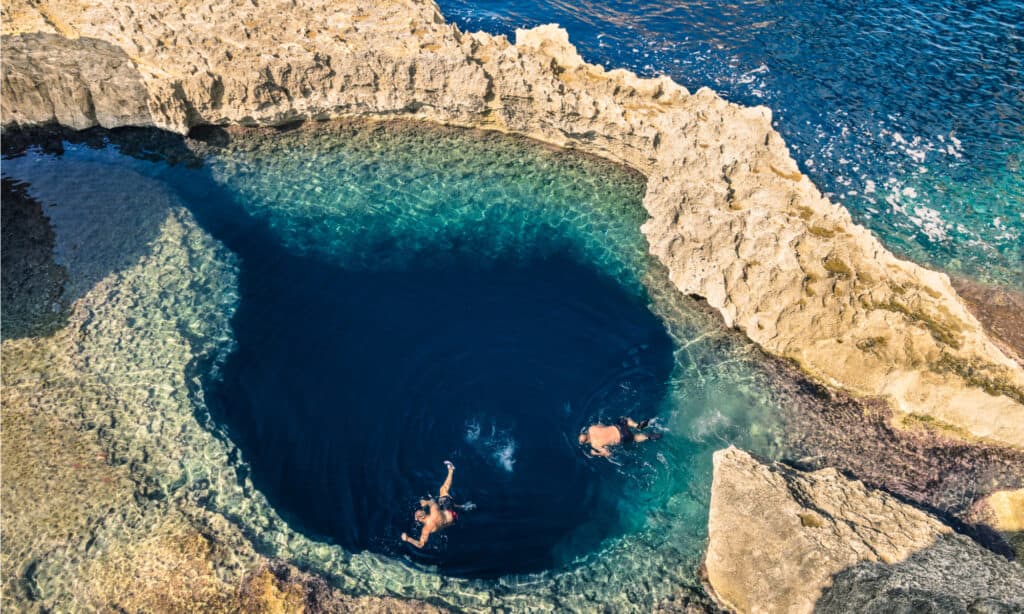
(603, 436)
(440, 514)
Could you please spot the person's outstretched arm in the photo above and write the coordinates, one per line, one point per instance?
(419, 543)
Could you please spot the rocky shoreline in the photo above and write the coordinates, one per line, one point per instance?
(732, 220)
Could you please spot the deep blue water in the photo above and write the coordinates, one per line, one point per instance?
(349, 388)
(909, 112)
(408, 294)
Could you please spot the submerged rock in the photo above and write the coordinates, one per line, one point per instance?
(782, 540)
(732, 217)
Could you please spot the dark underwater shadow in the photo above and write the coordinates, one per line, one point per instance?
(31, 282)
(106, 235)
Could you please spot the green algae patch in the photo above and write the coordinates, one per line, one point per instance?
(872, 344)
(935, 426)
(943, 332)
(993, 380)
(837, 267)
(822, 232)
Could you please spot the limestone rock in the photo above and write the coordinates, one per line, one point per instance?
(77, 83)
(1003, 512)
(782, 540)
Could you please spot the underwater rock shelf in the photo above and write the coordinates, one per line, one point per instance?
(134, 341)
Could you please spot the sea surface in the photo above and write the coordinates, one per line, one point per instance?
(910, 113)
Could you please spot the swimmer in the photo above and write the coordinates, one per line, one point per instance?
(439, 514)
(602, 436)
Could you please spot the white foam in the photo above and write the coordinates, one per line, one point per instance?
(497, 444)
(930, 223)
(472, 431)
(505, 455)
(709, 424)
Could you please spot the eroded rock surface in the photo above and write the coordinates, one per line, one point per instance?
(732, 217)
(782, 540)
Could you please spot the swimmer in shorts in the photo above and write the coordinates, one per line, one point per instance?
(438, 515)
(601, 437)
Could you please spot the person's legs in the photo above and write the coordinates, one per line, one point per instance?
(448, 481)
(631, 423)
(640, 437)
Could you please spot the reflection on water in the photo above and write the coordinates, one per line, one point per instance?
(910, 113)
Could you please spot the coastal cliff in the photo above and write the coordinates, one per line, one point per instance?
(732, 217)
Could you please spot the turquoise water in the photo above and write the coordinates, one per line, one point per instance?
(379, 203)
(909, 113)
(192, 266)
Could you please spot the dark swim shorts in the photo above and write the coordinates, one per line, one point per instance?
(624, 433)
(448, 505)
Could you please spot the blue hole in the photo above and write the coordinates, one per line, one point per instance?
(349, 388)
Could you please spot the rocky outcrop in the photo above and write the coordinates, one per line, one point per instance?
(781, 540)
(732, 217)
(1000, 311)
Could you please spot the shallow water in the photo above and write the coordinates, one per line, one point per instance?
(910, 113)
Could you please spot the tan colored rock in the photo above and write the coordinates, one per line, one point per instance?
(731, 216)
(781, 540)
(1003, 512)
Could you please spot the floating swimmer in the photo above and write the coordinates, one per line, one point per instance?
(439, 514)
(602, 436)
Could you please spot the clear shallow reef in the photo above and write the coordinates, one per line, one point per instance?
(156, 255)
(909, 113)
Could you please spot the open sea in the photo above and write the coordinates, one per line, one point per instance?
(910, 113)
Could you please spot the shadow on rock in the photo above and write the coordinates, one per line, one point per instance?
(77, 82)
(31, 281)
(66, 227)
(951, 575)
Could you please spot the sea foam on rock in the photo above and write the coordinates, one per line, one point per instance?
(732, 217)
